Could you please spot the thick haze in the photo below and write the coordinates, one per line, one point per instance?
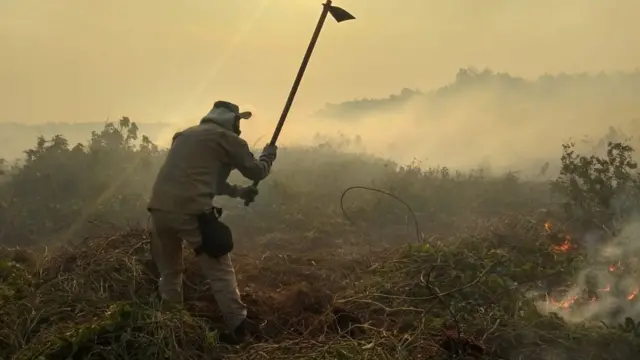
(494, 120)
(167, 61)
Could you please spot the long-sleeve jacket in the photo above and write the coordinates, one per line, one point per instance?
(197, 167)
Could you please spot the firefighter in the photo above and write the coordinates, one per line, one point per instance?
(194, 172)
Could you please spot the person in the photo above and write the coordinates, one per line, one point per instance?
(196, 170)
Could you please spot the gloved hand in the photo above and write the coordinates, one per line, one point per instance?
(248, 193)
(269, 153)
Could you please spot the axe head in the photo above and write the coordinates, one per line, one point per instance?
(340, 14)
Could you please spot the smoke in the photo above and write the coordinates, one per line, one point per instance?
(480, 119)
(509, 123)
(607, 288)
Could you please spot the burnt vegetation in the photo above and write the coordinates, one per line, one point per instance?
(500, 267)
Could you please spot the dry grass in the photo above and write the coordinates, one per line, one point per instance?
(455, 297)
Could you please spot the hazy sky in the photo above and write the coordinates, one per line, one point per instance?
(160, 60)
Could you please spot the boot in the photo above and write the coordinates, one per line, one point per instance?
(240, 334)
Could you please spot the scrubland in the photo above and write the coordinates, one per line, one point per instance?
(343, 256)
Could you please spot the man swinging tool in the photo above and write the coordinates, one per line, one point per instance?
(195, 170)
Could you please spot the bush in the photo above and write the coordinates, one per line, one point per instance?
(601, 189)
(59, 189)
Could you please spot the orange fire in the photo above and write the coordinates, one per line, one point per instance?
(569, 302)
(547, 226)
(564, 304)
(566, 245)
(614, 267)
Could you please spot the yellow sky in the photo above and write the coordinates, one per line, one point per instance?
(161, 60)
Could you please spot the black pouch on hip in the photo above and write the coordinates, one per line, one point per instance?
(217, 239)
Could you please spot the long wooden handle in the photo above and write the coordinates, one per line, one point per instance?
(296, 82)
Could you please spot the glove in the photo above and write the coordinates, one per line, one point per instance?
(248, 193)
(269, 153)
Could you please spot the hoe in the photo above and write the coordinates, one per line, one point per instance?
(339, 15)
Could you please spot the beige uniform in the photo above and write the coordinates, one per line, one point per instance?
(195, 170)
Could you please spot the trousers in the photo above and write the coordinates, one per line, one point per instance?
(168, 233)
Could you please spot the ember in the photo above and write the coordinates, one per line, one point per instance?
(616, 267)
(547, 226)
(606, 289)
(566, 245)
(564, 304)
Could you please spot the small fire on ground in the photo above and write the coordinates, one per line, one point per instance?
(566, 244)
(566, 303)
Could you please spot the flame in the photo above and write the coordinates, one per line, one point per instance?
(614, 267)
(547, 226)
(565, 246)
(564, 304)
(567, 303)
(606, 289)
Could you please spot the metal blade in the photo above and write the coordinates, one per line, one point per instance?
(340, 14)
